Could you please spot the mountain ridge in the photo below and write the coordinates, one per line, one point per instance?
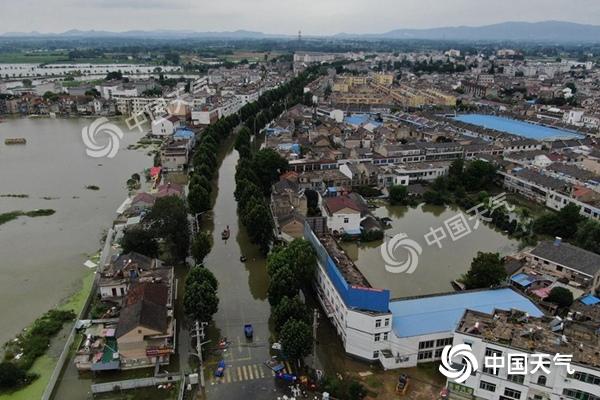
(549, 31)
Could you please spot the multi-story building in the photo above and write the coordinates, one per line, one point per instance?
(502, 334)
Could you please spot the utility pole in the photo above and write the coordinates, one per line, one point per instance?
(315, 325)
(199, 335)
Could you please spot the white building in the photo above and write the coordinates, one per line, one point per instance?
(503, 332)
(397, 333)
(343, 215)
(165, 126)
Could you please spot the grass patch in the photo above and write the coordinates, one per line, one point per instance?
(44, 365)
(11, 215)
(42, 368)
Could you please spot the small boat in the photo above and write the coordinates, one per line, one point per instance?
(11, 141)
(226, 233)
(248, 331)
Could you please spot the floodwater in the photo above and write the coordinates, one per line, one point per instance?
(41, 258)
(437, 267)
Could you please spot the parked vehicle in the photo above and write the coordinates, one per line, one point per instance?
(248, 331)
(220, 369)
(403, 381)
(275, 365)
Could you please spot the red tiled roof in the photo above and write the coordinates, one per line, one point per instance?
(335, 204)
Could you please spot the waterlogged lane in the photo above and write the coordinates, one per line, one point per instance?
(242, 298)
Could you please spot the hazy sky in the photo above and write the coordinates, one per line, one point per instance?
(282, 16)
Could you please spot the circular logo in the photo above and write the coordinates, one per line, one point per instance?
(99, 128)
(449, 370)
(391, 247)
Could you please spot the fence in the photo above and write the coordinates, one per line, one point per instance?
(135, 383)
(64, 355)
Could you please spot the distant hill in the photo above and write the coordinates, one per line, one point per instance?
(156, 34)
(547, 31)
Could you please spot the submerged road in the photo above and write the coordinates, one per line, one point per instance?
(242, 300)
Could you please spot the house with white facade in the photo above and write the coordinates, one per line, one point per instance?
(503, 333)
(343, 215)
(165, 126)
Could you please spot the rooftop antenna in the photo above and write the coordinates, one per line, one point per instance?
(299, 36)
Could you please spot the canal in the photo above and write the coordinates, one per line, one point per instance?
(41, 260)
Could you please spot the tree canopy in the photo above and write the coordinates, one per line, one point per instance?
(168, 220)
(296, 339)
(487, 270)
(141, 241)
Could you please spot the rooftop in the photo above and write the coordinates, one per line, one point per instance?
(441, 313)
(533, 334)
(569, 256)
(350, 272)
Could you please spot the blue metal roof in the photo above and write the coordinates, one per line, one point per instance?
(184, 133)
(589, 300)
(523, 279)
(426, 315)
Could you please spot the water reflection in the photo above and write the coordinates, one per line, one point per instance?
(437, 266)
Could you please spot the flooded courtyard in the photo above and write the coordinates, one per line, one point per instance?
(437, 267)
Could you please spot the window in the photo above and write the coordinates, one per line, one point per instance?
(438, 353)
(376, 354)
(426, 345)
(516, 378)
(490, 387)
(387, 322)
(579, 395)
(377, 323)
(587, 378)
(377, 337)
(346, 220)
(489, 353)
(443, 342)
(542, 379)
(424, 355)
(385, 336)
(515, 394)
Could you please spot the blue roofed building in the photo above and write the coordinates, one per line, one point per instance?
(398, 333)
(422, 326)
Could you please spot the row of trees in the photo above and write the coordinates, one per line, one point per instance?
(200, 300)
(291, 268)
(257, 171)
(569, 224)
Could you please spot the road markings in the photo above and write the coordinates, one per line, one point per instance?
(258, 371)
(239, 373)
(244, 372)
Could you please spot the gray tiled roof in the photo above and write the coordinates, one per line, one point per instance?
(568, 255)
